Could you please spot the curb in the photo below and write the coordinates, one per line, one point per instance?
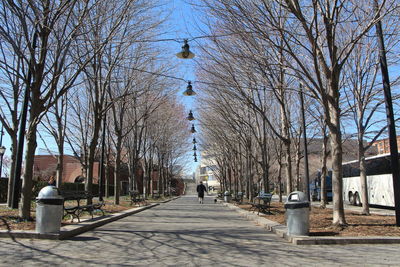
(281, 231)
(76, 229)
(73, 230)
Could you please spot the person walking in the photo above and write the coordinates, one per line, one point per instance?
(200, 192)
(52, 181)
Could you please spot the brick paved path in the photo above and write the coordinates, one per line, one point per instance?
(185, 233)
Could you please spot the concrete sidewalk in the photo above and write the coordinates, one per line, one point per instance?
(185, 233)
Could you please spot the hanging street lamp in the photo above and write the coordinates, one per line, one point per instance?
(193, 130)
(190, 116)
(189, 90)
(194, 140)
(185, 53)
(194, 148)
(195, 159)
(194, 154)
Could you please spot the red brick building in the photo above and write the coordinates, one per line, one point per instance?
(45, 165)
(383, 146)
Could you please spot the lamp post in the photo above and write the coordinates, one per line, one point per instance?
(2, 151)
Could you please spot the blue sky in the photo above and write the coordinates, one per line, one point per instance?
(184, 23)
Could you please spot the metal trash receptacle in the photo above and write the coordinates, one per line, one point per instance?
(227, 196)
(49, 210)
(297, 213)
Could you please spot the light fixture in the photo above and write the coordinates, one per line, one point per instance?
(195, 159)
(2, 152)
(194, 148)
(189, 90)
(194, 140)
(193, 130)
(185, 53)
(194, 154)
(190, 116)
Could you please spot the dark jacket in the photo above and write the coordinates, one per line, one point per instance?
(201, 189)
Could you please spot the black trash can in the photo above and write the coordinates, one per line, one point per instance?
(297, 213)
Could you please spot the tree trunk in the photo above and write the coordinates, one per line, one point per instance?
(337, 181)
(25, 208)
(324, 171)
(297, 174)
(117, 171)
(60, 167)
(159, 175)
(12, 171)
(288, 168)
(280, 182)
(106, 181)
(89, 170)
(150, 185)
(363, 178)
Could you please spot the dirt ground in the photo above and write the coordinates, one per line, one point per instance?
(321, 222)
(9, 218)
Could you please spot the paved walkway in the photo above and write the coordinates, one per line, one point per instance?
(186, 233)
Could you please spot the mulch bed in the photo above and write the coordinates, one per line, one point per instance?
(321, 222)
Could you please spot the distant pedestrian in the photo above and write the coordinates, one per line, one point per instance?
(200, 192)
(52, 181)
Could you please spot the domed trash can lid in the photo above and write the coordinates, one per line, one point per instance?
(50, 195)
(297, 200)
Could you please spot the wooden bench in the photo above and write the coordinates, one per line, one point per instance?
(262, 203)
(238, 198)
(156, 194)
(136, 198)
(76, 210)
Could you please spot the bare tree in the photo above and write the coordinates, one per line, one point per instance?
(321, 38)
(42, 35)
(365, 101)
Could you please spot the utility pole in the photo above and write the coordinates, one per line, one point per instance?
(102, 161)
(394, 156)
(303, 120)
(21, 134)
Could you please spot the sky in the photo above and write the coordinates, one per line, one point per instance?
(184, 24)
(180, 25)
